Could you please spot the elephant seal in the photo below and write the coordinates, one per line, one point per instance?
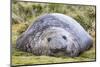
(55, 33)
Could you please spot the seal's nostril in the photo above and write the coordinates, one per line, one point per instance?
(49, 39)
(64, 37)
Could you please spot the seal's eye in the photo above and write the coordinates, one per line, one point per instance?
(64, 37)
(49, 39)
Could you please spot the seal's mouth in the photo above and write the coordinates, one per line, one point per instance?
(57, 52)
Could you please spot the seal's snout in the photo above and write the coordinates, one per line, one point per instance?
(57, 43)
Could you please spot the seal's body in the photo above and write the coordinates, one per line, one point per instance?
(55, 33)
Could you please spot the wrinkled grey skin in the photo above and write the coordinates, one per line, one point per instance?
(55, 33)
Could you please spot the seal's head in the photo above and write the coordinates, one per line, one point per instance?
(56, 40)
